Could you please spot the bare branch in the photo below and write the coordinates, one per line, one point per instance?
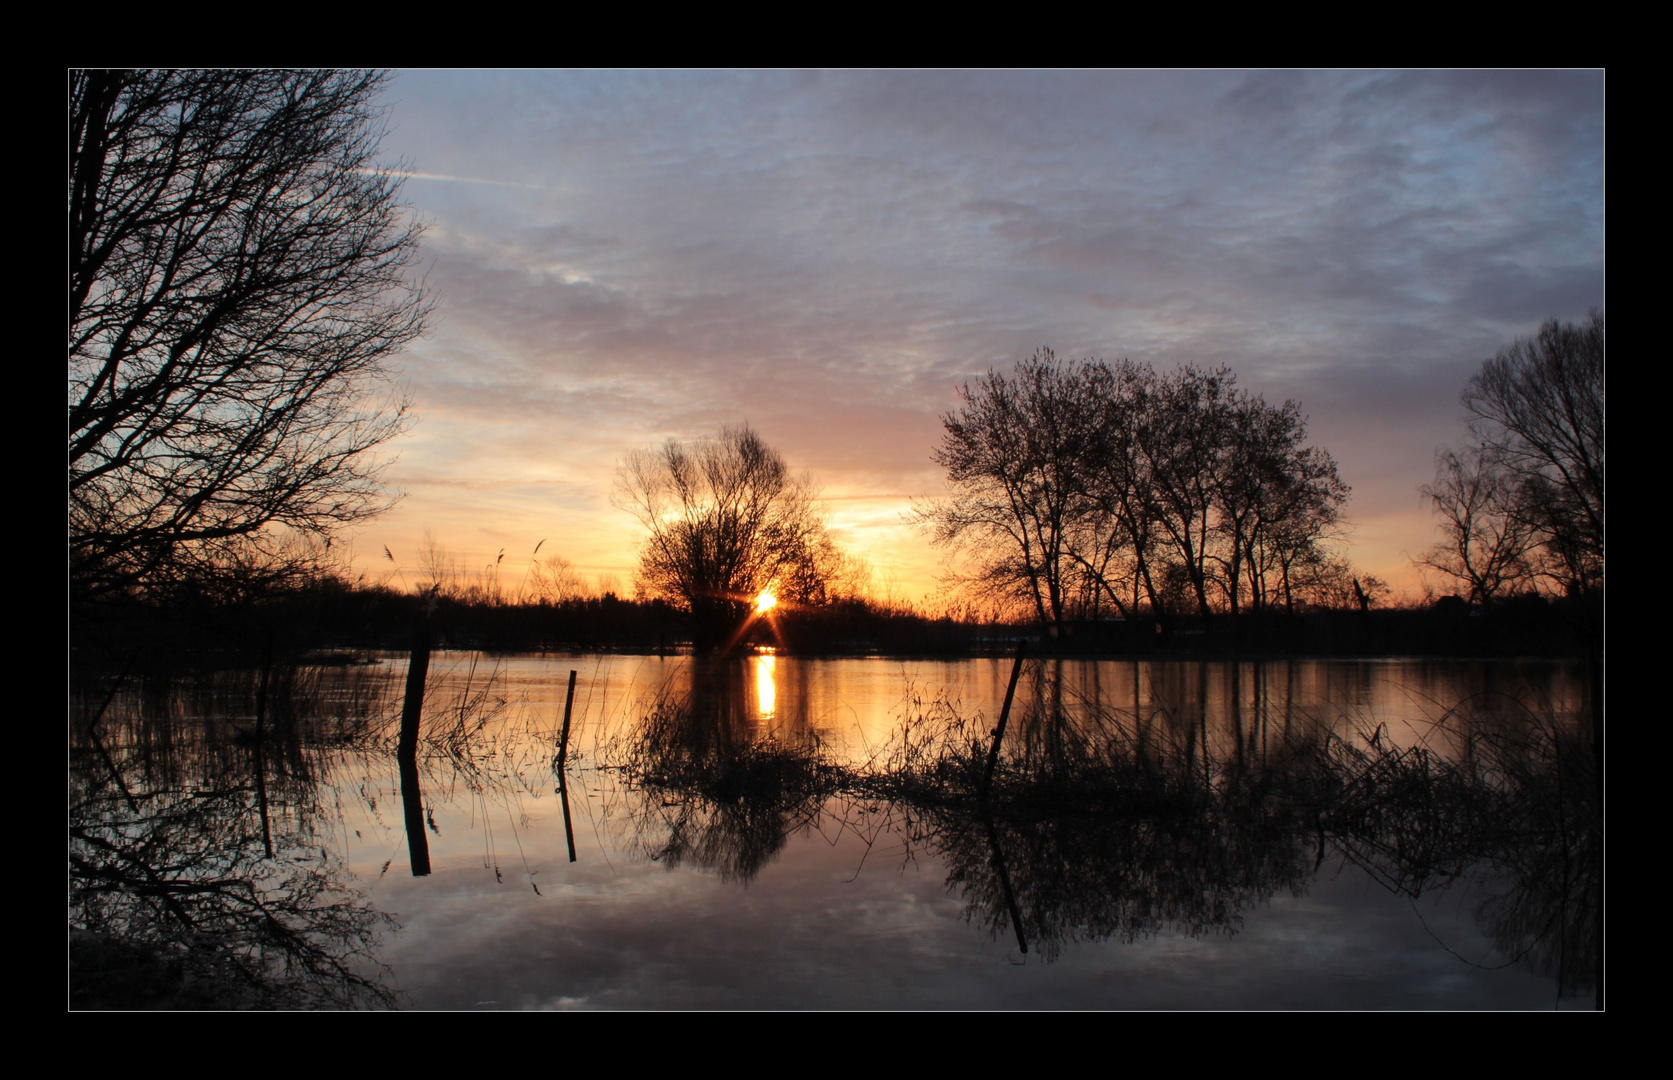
(237, 280)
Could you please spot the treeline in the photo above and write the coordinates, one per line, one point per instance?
(1087, 489)
(327, 613)
(331, 619)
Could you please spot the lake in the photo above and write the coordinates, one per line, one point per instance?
(783, 833)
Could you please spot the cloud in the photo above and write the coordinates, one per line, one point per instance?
(829, 255)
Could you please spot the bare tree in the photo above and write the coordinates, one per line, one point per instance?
(724, 520)
(1522, 503)
(1275, 495)
(1295, 533)
(1114, 543)
(1321, 578)
(553, 580)
(1486, 537)
(237, 281)
(1183, 442)
(1017, 454)
(1537, 408)
(1073, 485)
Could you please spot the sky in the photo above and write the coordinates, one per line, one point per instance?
(621, 258)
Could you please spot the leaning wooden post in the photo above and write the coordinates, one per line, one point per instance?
(418, 668)
(1004, 714)
(563, 778)
(406, 751)
(563, 739)
(1005, 883)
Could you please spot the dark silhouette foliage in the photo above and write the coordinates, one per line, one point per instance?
(1522, 504)
(237, 282)
(725, 519)
(1089, 489)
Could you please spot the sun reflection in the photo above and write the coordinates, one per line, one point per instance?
(766, 690)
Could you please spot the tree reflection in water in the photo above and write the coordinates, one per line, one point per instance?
(203, 813)
(1107, 823)
(709, 784)
(178, 906)
(1103, 822)
(1517, 811)
(198, 873)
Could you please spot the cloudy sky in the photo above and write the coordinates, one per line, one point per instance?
(625, 257)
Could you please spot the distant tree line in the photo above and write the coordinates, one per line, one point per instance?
(1081, 490)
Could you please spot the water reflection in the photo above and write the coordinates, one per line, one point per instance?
(205, 820)
(1518, 814)
(766, 690)
(210, 823)
(713, 785)
(1122, 823)
(198, 878)
(412, 806)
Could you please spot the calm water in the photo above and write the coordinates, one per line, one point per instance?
(1238, 882)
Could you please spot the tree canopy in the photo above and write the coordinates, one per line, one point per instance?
(237, 280)
(1521, 504)
(1084, 488)
(725, 519)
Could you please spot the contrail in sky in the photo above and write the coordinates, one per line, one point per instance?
(407, 174)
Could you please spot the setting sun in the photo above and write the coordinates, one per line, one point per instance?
(1171, 471)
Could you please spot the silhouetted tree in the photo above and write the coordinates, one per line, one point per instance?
(1114, 542)
(1073, 485)
(1485, 537)
(725, 519)
(236, 283)
(1237, 495)
(1017, 455)
(1524, 500)
(1538, 406)
(1183, 440)
(1304, 515)
(1275, 496)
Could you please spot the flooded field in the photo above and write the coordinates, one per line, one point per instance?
(786, 833)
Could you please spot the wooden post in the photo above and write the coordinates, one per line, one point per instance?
(1005, 883)
(563, 739)
(406, 751)
(563, 778)
(418, 668)
(568, 828)
(256, 752)
(1004, 714)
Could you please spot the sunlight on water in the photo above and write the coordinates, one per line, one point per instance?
(766, 693)
(737, 827)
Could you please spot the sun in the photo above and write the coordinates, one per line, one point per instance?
(765, 602)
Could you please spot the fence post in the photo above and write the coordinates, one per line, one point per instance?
(1004, 714)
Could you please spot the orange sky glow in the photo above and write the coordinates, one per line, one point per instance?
(620, 258)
